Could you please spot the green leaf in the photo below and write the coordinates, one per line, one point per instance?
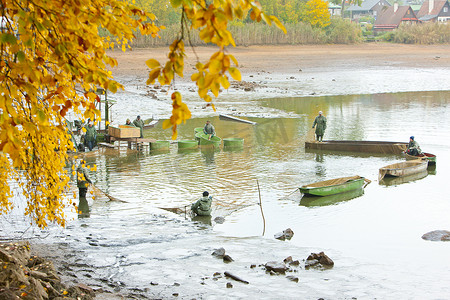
(8, 38)
(21, 56)
(175, 3)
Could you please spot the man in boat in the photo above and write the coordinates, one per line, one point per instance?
(82, 179)
(321, 123)
(209, 130)
(140, 124)
(413, 147)
(203, 205)
(90, 137)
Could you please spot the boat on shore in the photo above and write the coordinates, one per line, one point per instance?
(405, 168)
(235, 119)
(334, 186)
(358, 146)
(424, 156)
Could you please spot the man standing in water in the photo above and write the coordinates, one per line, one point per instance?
(209, 129)
(139, 124)
(91, 135)
(321, 123)
(413, 147)
(203, 206)
(82, 179)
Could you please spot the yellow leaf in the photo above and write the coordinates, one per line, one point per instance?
(152, 63)
(235, 73)
(215, 66)
(166, 124)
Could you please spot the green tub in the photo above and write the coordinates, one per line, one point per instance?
(187, 144)
(198, 129)
(160, 145)
(215, 141)
(233, 142)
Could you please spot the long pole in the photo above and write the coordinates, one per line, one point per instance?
(260, 205)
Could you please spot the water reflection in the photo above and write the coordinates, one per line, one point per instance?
(83, 208)
(394, 181)
(312, 201)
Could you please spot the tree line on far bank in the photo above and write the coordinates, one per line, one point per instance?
(306, 22)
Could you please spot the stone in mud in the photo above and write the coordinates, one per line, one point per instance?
(285, 235)
(275, 266)
(311, 263)
(279, 236)
(219, 252)
(288, 260)
(437, 235)
(253, 266)
(219, 220)
(229, 285)
(292, 278)
(227, 258)
(217, 274)
(294, 263)
(321, 257)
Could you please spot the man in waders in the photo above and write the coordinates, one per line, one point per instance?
(139, 124)
(82, 179)
(321, 123)
(209, 130)
(413, 147)
(90, 136)
(203, 206)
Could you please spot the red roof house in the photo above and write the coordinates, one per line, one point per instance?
(434, 10)
(391, 17)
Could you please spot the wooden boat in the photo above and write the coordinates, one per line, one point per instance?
(333, 186)
(233, 142)
(311, 201)
(405, 168)
(204, 141)
(150, 124)
(232, 118)
(393, 181)
(425, 156)
(359, 146)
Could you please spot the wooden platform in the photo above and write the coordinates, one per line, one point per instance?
(137, 142)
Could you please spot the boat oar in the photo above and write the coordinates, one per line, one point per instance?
(108, 195)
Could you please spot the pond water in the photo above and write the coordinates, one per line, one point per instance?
(137, 248)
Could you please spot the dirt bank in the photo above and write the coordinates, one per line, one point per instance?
(289, 59)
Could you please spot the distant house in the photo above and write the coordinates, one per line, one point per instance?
(391, 17)
(434, 10)
(367, 8)
(334, 9)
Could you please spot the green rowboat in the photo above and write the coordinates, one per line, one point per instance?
(313, 201)
(333, 186)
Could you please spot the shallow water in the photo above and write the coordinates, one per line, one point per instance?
(374, 239)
